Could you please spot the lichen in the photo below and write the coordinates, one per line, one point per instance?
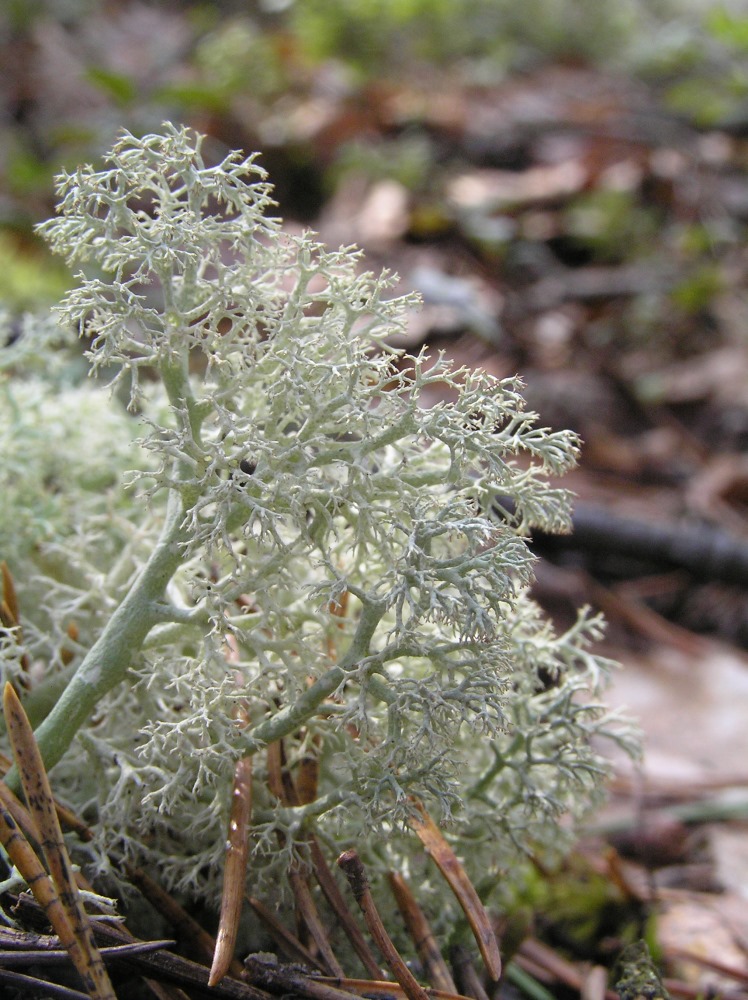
(308, 548)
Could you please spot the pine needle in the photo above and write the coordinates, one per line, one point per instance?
(41, 805)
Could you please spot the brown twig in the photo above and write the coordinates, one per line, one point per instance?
(423, 937)
(188, 930)
(28, 864)
(287, 980)
(731, 971)
(535, 953)
(594, 984)
(693, 991)
(288, 943)
(463, 889)
(235, 870)
(20, 814)
(162, 966)
(68, 819)
(281, 785)
(42, 808)
(707, 553)
(339, 906)
(30, 984)
(59, 956)
(307, 776)
(14, 937)
(386, 990)
(354, 871)
(310, 915)
(10, 613)
(466, 974)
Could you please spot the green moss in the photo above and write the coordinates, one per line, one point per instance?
(29, 277)
(639, 979)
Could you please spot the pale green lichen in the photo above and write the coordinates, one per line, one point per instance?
(310, 542)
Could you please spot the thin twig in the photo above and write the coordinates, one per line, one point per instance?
(385, 989)
(42, 807)
(164, 966)
(466, 974)
(68, 819)
(58, 956)
(10, 614)
(561, 969)
(20, 814)
(281, 785)
(289, 981)
(731, 971)
(234, 870)
(25, 860)
(14, 937)
(307, 777)
(463, 889)
(339, 906)
(10, 600)
(188, 930)
(288, 943)
(423, 937)
(594, 984)
(693, 991)
(354, 871)
(308, 910)
(28, 864)
(30, 984)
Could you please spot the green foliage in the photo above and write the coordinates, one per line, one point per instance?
(390, 32)
(121, 88)
(237, 53)
(732, 29)
(305, 550)
(29, 279)
(638, 976)
(409, 160)
(612, 224)
(697, 291)
(260, 70)
(26, 174)
(581, 908)
(700, 62)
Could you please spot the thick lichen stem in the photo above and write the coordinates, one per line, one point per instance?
(110, 657)
(289, 719)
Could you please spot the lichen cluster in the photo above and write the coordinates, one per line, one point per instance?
(308, 547)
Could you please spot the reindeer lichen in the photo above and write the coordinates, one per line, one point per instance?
(309, 549)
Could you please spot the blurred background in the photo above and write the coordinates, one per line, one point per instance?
(566, 184)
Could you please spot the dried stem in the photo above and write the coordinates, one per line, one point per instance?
(466, 974)
(281, 785)
(464, 890)
(354, 871)
(338, 904)
(235, 870)
(286, 941)
(289, 982)
(423, 937)
(25, 860)
(42, 808)
(189, 930)
(310, 915)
